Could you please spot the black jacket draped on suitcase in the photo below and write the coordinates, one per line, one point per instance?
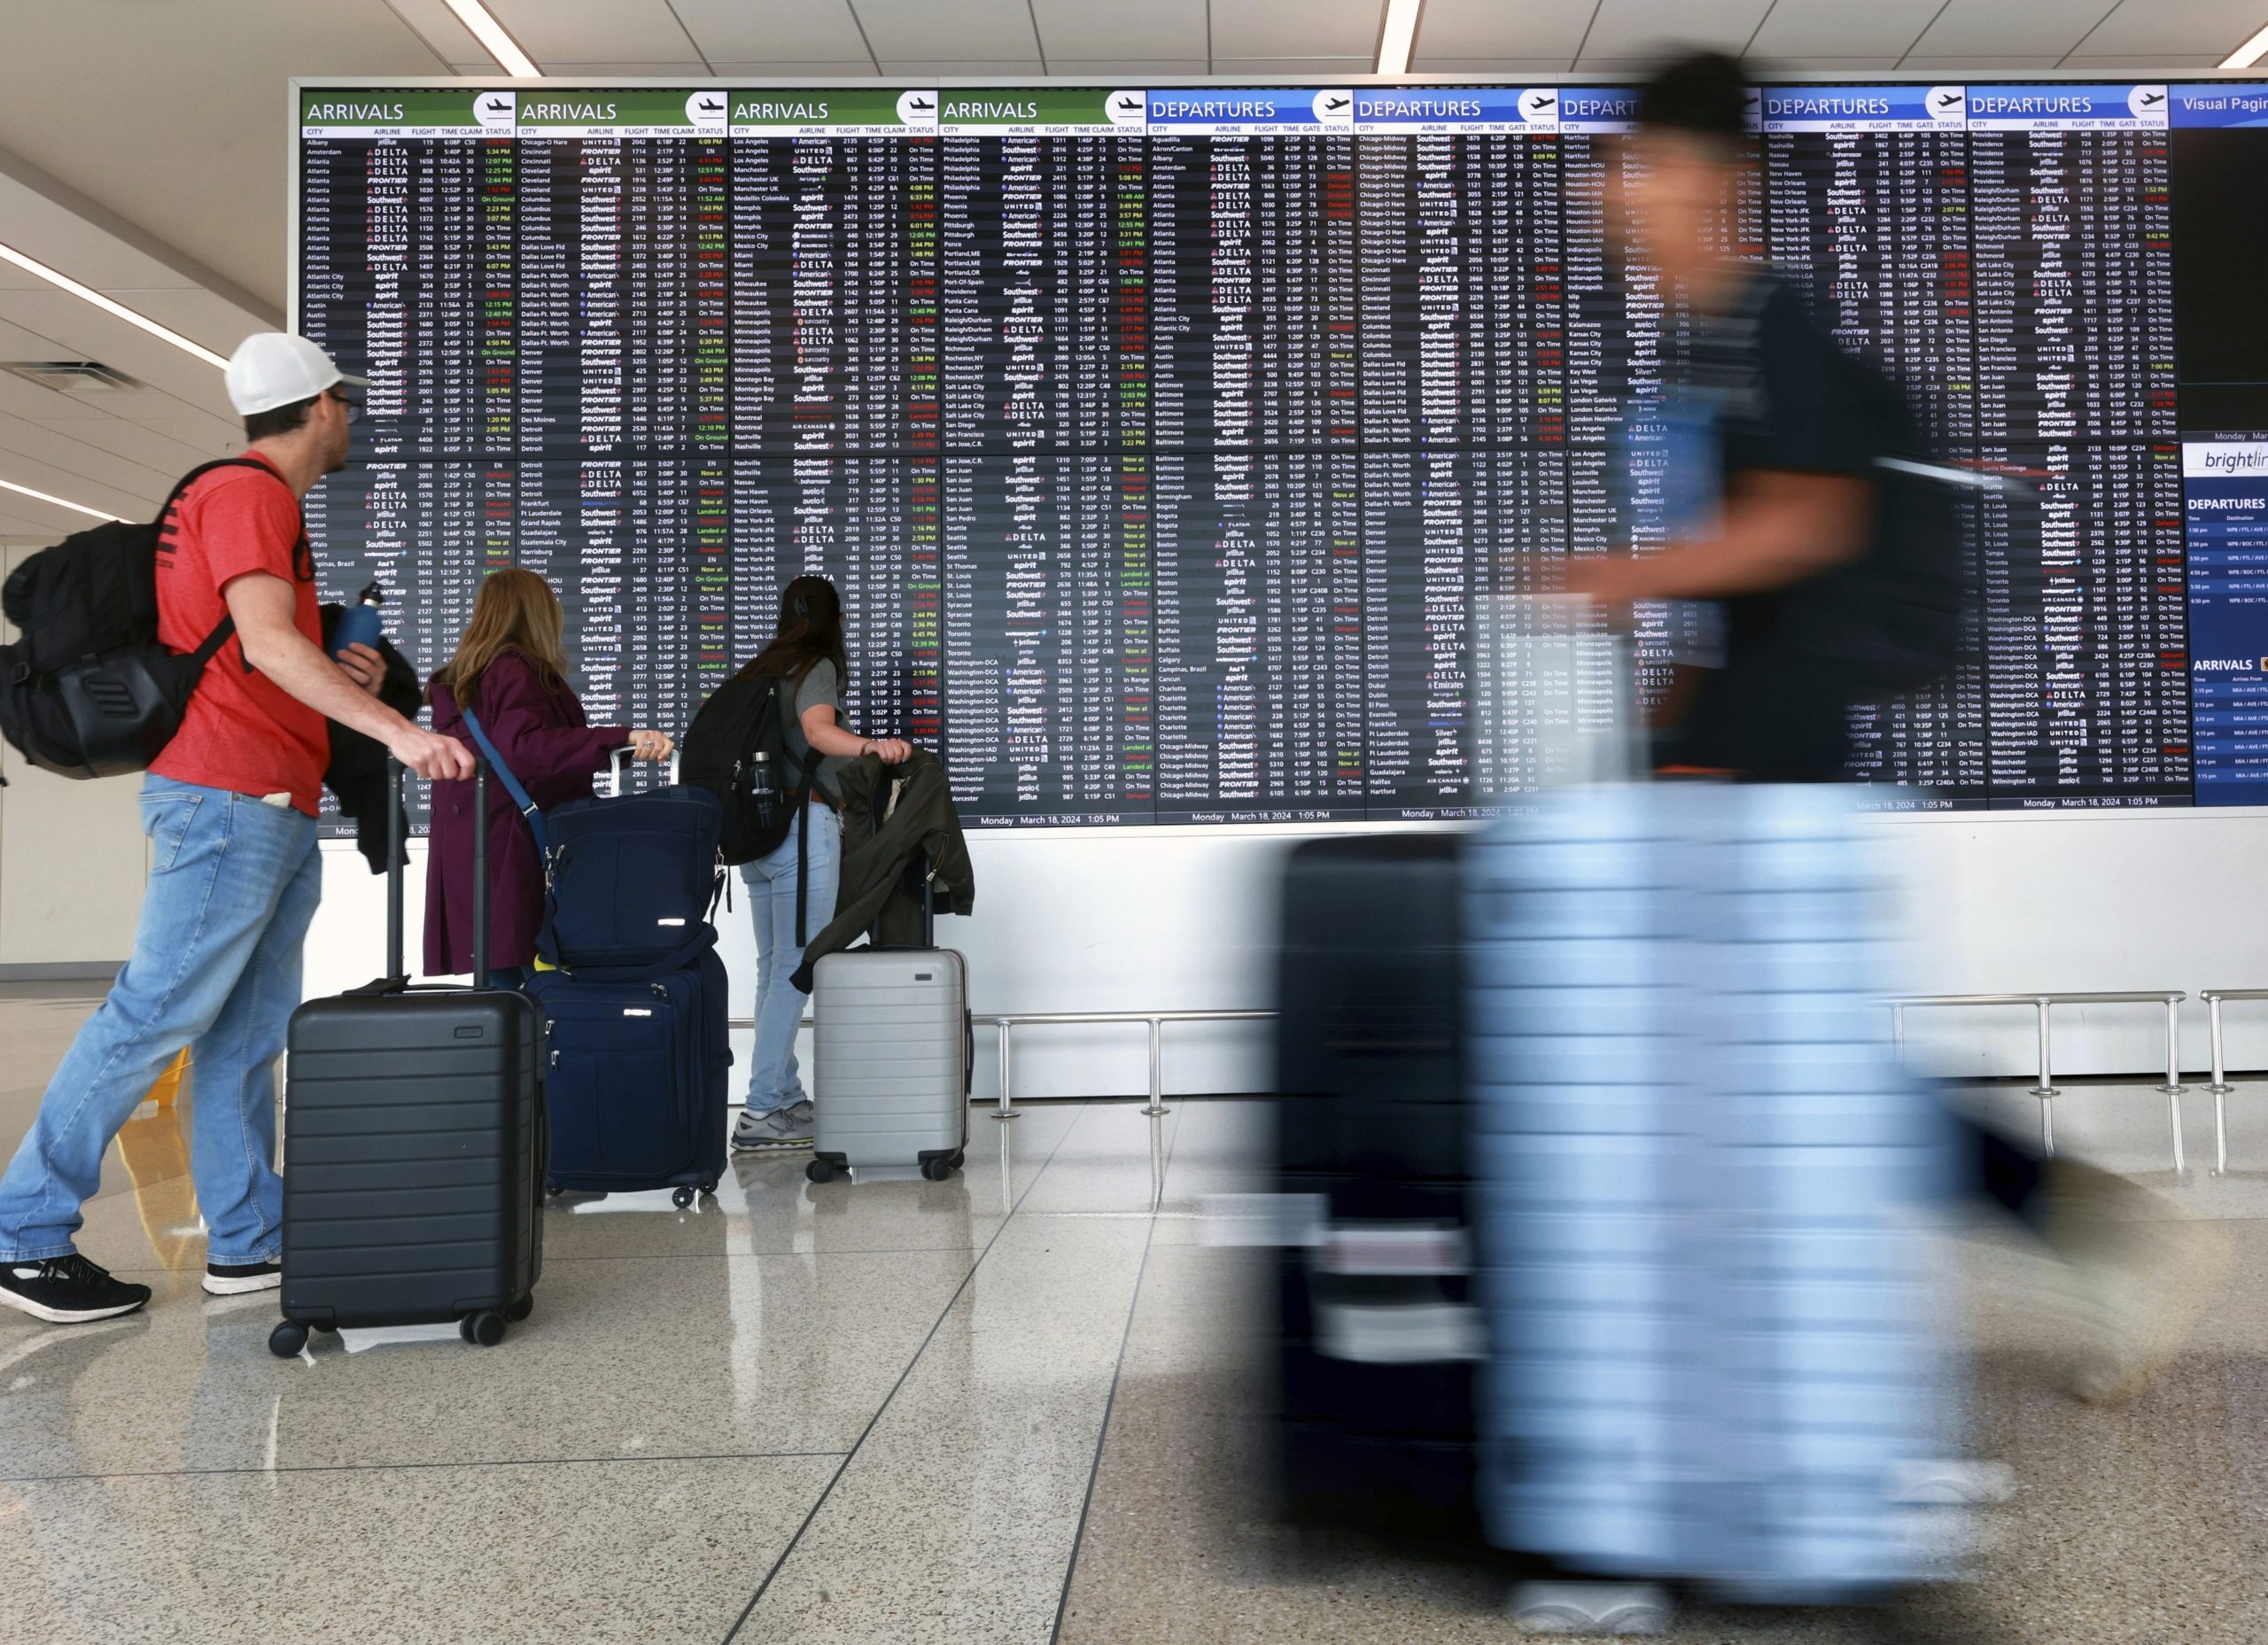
(885, 855)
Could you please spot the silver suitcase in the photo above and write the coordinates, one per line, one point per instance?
(891, 1069)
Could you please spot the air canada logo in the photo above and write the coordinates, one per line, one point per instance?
(1335, 108)
(707, 109)
(917, 108)
(1540, 107)
(494, 110)
(1129, 108)
(1949, 103)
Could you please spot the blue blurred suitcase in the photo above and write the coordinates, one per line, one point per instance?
(413, 1145)
(637, 1075)
(1696, 1169)
(1375, 1364)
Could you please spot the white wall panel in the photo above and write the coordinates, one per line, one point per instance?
(71, 858)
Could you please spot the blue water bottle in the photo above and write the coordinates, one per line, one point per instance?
(358, 623)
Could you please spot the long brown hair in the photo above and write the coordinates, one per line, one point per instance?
(810, 632)
(515, 610)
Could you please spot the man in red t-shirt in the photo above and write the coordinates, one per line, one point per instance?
(229, 808)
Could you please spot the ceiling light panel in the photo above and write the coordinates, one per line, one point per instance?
(492, 37)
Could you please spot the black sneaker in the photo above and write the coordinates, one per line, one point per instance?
(69, 1291)
(233, 1279)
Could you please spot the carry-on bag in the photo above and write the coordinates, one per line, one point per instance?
(1697, 1170)
(893, 1056)
(637, 1075)
(637, 1034)
(629, 880)
(1379, 1329)
(413, 1144)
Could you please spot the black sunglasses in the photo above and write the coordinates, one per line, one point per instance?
(354, 407)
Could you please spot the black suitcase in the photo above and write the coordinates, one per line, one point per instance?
(1379, 1335)
(414, 1147)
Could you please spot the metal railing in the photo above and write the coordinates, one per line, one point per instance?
(2045, 1004)
(2220, 1087)
(1155, 1019)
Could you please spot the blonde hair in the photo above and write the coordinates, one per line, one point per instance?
(516, 610)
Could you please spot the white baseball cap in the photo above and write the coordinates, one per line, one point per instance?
(273, 368)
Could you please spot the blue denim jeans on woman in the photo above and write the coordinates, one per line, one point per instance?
(233, 887)
(774, 1079)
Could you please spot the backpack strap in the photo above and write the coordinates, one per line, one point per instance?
(512, 786)
(302, 554)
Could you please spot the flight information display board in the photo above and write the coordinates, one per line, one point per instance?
(1166, 444)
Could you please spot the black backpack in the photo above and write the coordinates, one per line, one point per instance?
(743, 718)
(88, 690)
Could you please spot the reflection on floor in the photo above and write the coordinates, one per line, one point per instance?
(1022, 1405)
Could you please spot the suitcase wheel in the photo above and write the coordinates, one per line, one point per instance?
(285, 1341)
(819, 1171)
(937, 1170)
(681, 1198)
(521, 1309)
(485, 1329)
(961, 1156)
(710, 1188)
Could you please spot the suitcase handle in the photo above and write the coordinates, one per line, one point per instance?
(396, 980)
(617, 769)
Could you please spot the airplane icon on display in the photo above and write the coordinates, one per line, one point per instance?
(1131, 105)
(1337, 103)
(922, 105)
(1949, 99)
(710, 105)
(1545, 103)
(2151, 97)
(498, 106)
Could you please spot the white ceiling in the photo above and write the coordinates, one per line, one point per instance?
(174, 199)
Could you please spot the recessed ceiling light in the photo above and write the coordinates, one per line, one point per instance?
(60, 502)
(1399, 34)
(491, 33)
(32, 264)
(2250, 52)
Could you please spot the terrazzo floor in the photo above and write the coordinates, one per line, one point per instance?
(1024, 1405)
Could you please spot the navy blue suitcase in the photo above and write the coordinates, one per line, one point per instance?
(636, 1078)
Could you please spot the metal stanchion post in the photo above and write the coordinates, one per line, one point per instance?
(2045, 1090)
(1157, 1069)
(1006, 1110)
(2173, 1088)
(2220, 1088)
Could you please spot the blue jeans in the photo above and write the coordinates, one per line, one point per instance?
(233, 887)
(774, 1079)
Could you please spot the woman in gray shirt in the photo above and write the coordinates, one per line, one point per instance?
(807, 648)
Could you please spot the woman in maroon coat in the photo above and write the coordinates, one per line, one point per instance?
(509, 666)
